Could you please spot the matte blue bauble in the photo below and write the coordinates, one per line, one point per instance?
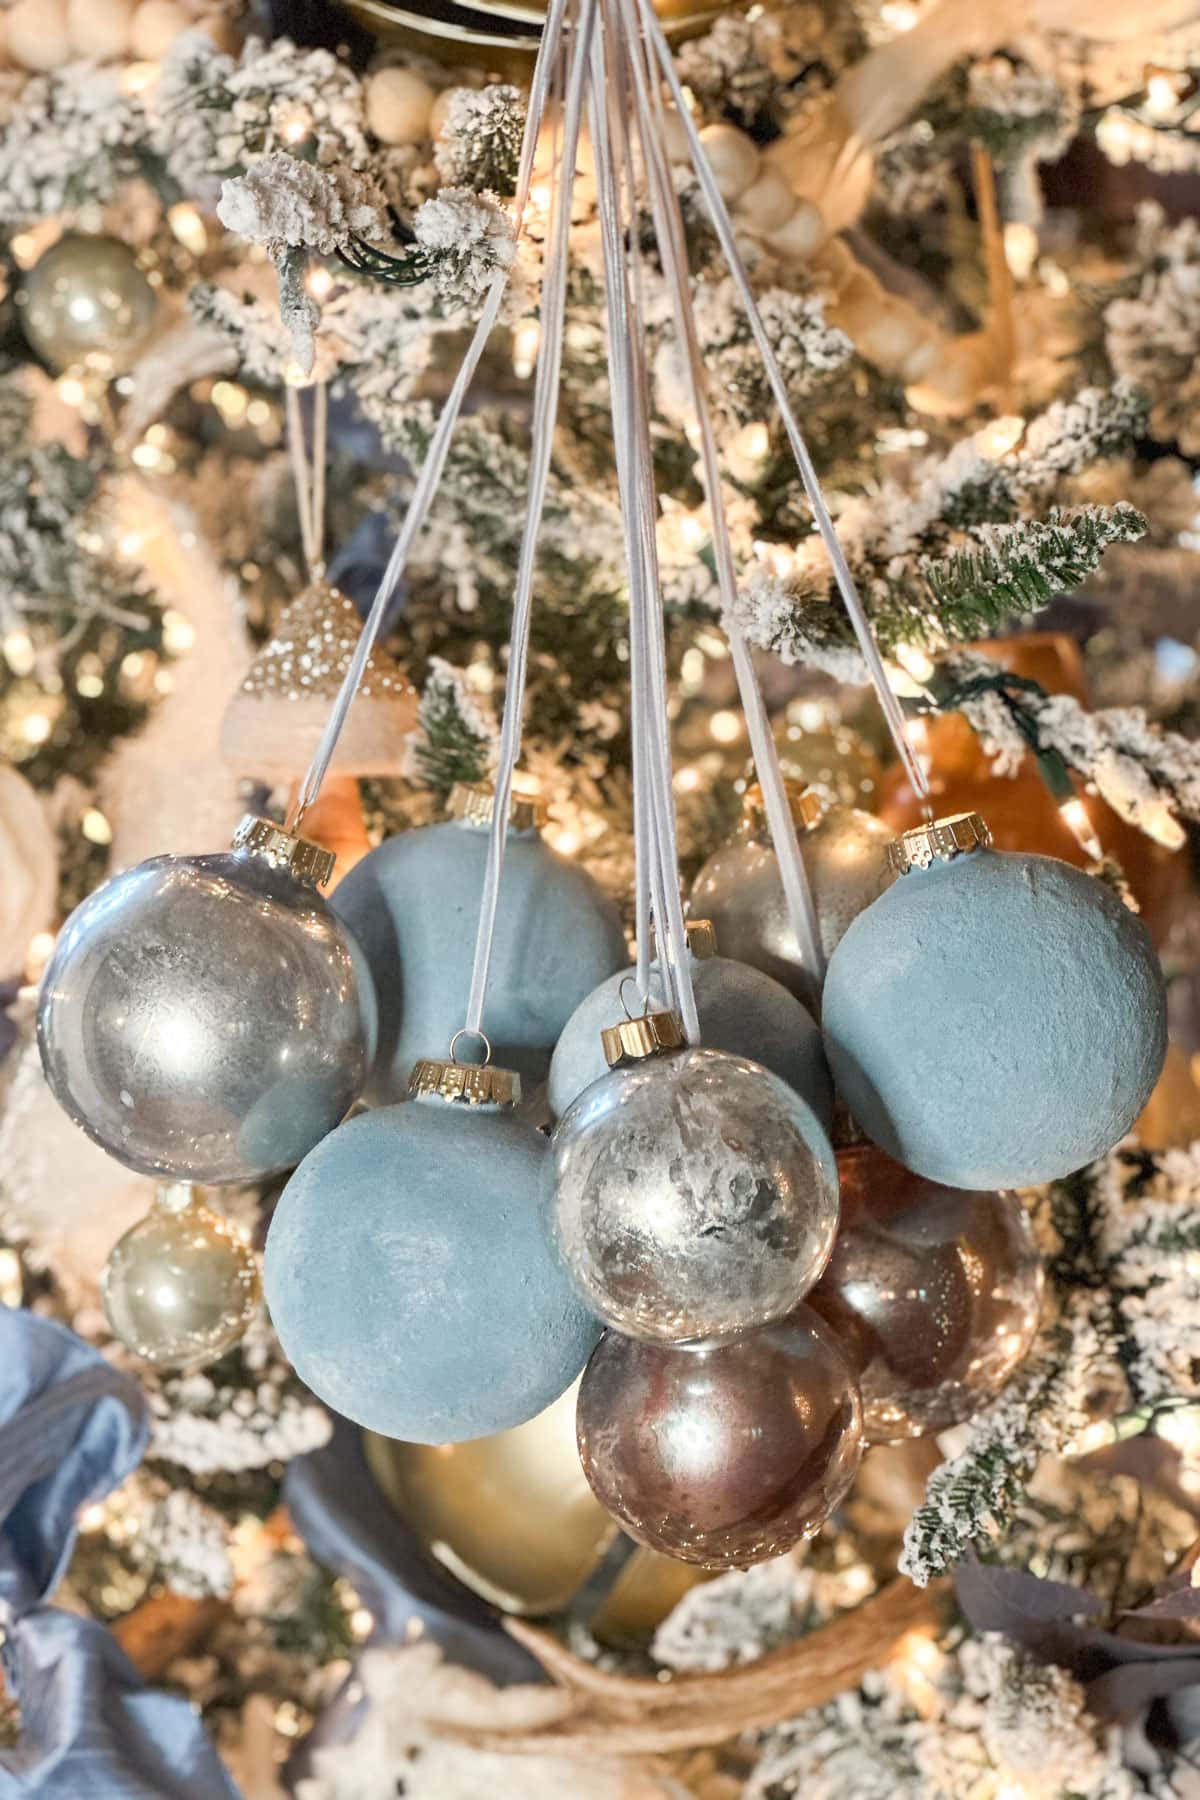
(740, 1010)
(410, 1280)
(414, 904)
(995, 1021)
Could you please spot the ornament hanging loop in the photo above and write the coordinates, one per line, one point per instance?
(643, 998)
(480, 1036)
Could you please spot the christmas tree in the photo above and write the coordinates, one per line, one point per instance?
(247, 252)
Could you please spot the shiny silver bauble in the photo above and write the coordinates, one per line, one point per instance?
(741, 891)
(87, 303)
(691, 1195)
(181, 1286)
(206, 1018)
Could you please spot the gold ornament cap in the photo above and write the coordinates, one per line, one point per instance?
(633, 1040)
(807, 805)
(701, 939)
(939, 841)
(307, 861)
(475, 801)
(465, 1084)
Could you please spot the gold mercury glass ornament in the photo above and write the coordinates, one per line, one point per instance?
(740, 888)
(181, 1287)
(512, 1517)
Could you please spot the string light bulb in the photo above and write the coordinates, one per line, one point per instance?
(1075, 816)
(526, 338)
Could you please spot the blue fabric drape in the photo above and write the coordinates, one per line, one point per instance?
(71, 1429)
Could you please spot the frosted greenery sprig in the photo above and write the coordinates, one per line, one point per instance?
(455, 738)
(1151, 777)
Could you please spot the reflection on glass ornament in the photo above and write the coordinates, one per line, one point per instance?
(408, 1271)
(512, 1517)
(934, 1294)
(995, 1019)
(413, 903)
(181, 1286)
(207, 1018)
(740, 1009)
(740, 888)
(722, 1454)
(87, 302)
(691, 1193)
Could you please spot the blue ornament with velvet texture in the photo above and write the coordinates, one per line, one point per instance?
(996, 1020)
(413, 905)
(740, 1010)
(411, 1281)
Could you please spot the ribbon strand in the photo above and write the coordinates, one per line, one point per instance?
(545, 414)
(722, 224)
(435, 457)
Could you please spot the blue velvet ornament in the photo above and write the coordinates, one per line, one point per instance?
(413, 905)
(740, 1009)
(410, 1279)
(994, 1019)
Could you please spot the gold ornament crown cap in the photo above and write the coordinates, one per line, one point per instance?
(701, 939)
(465, 1084)
(633, 1040)
(941, 840)
(807, 805)
(475, 801)
(307, 861)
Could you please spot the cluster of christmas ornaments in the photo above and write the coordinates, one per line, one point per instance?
(41, 35)
(440, 1271)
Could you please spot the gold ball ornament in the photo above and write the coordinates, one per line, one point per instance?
(274, 722)
(740, 888)
(38, 38)
(181, 1287)
(512, 1517)
(87, 303)
(816, 750)
(100, 29)
(399, 106)
(156, 25)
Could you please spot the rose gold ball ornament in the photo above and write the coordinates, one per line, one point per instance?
(722, 1454)
(182, 1285)
(933, 1292)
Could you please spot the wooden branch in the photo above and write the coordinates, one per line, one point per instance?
(612, 1715)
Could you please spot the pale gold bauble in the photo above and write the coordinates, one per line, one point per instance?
(513, 1518)
(38, 38)
(740, 888)
(181, 1287)
(86, 303)
(819, 751)
(100, 29)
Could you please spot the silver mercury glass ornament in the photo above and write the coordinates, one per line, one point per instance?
(691, 1193)
(740, 888)
(87, 303)
(181, 1286)
(208, 1018)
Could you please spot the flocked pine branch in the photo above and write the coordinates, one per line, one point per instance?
(999, 572)
(1151, 777)
(1009, 570)
(975, 1494)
